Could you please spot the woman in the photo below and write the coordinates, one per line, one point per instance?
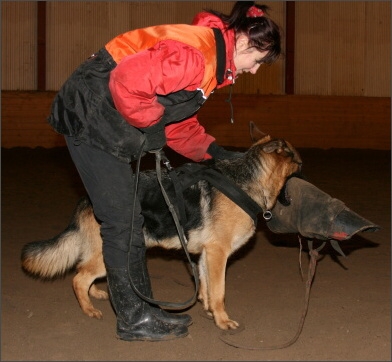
(138, 93)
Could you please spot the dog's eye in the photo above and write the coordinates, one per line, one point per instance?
(288, 151)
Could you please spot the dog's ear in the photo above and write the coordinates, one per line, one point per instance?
(255, 133)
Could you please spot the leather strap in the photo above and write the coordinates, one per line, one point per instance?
(220, 55)
(189, 174)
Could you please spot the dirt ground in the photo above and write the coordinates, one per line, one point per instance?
(349, 310)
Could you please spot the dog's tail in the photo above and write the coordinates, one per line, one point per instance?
(49, 259)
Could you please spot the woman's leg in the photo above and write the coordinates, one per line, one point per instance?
(109, 184)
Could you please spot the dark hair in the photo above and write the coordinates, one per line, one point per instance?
(263, 33)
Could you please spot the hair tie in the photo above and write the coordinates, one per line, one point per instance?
(254, 12)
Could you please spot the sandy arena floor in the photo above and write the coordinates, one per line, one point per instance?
(349, 310)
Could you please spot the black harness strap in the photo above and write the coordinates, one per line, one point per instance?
(189, 174)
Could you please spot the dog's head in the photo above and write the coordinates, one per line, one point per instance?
(278, 160)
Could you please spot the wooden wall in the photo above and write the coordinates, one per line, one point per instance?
(341, 47)
(306, 121)
(342, 69)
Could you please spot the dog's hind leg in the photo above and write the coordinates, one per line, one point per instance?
(83, 285)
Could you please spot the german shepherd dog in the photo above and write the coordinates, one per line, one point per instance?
(215, 228)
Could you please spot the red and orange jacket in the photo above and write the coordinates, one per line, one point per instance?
(161, 66)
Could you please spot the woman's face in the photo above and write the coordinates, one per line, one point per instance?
(247, 60)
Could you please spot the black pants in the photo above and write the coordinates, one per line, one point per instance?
(110, 185)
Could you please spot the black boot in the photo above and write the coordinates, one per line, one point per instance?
(180, 319)
(145, 289)
(136, 319)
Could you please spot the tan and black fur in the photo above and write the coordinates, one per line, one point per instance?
(215, 226)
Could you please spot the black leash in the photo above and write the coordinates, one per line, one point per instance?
(194, 173)
(186, 176)
(192, 300)
(160, 156)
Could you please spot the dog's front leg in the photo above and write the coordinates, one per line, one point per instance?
(215, 259)
(203, 288)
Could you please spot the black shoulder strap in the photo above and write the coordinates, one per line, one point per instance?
(220, 55)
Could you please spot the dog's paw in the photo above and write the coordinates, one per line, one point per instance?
(226, 324)
(98, 293)
(93, 313)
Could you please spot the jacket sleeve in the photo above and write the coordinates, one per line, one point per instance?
(167, 67)
(189, 139)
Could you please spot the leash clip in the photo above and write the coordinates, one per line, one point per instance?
(165, 160)
(267, 215)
